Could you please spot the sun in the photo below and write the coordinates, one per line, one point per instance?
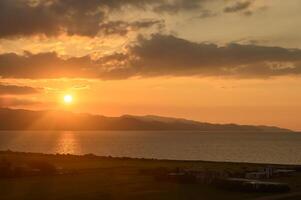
(68, 99)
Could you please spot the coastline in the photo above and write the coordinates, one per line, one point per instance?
(101, 177)
(91, 155)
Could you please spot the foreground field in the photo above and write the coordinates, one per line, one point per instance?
(91, 177)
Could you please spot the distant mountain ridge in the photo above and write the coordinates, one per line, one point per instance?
(11, 119)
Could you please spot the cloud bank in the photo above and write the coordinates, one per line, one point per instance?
(19, 18)
(160, 55)
(15, 102)
(6, 89)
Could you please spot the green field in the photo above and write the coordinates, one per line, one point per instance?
(91, 177)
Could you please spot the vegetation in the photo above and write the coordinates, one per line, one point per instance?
(93, 177)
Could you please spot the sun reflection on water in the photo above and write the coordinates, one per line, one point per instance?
(68, 143)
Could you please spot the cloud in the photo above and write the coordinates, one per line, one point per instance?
(6, 89)
(160, 55)
(123, 28)
(80, 87)
(178, 5)
(169, 55)
(15, 102)
(45, 65)
(207, 14)
(20, 18)
(238, 6)
(75, 17)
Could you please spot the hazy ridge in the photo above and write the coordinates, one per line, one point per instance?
(11, 119)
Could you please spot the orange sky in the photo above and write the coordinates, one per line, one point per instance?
(213, 61)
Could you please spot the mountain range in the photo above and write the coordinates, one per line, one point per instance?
(12, 119)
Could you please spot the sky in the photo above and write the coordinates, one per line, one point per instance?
(219, 61)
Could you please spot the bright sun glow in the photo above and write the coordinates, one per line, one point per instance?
(68, 99)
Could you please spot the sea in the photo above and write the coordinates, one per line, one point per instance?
(251, 147)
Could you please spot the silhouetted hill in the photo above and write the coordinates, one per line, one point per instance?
(61, 120)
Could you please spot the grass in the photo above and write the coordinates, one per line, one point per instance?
(106, 178)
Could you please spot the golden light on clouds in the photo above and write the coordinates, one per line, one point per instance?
(216, 61)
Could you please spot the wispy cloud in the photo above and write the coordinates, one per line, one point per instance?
(7, 89)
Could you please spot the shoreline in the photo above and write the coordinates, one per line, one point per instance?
(91, 155)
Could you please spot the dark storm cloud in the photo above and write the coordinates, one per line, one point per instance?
(6, 89)
(238, 6)
(74, 17)
(160, 55)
